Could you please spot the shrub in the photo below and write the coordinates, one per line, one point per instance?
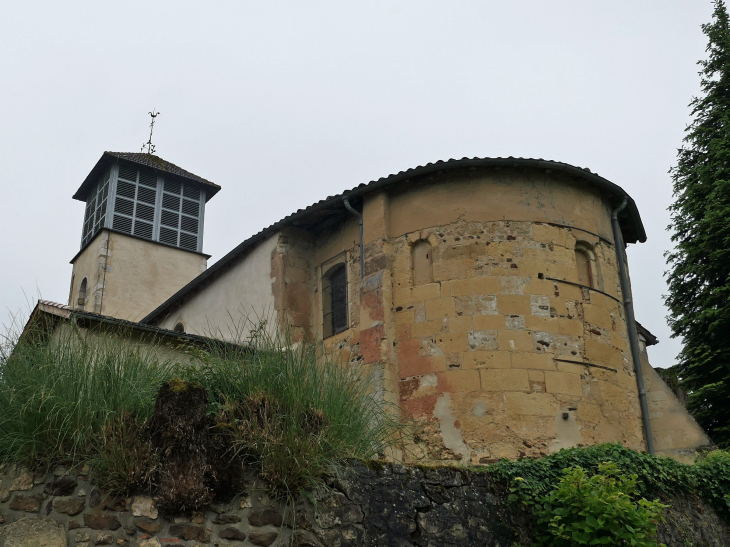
(596, 510)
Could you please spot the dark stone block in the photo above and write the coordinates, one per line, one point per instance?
(190, 532)
(69, 507)
(265, 518)
(149, 526)
(29, 504)
(73, 524)
(264, 539)
(226, 518)
(60, 487)
(94, 497)
(232, 533)
(101, 522)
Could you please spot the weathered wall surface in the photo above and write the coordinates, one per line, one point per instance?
(134, 276)
(379, 505)
(674, 430)
(244, 291)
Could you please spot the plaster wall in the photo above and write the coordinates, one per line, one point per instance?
(674, 431)
(234, 302)
(134, 276)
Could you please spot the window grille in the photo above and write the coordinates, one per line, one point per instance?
(147, 206)
(334, 300)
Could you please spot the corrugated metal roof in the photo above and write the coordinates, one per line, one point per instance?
(147, 160)
(632, 227)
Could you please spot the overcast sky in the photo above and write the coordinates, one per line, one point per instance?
(285, 103)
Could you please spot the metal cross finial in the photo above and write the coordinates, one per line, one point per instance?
(148, 144)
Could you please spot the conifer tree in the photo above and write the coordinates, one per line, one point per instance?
(699, 274)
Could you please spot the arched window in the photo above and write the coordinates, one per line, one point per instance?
(585, 260)
(421, 262)
(179, 328)
(334, 300)
(81, 301)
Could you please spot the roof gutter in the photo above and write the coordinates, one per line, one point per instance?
(631, 322)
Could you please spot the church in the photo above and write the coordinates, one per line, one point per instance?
(488, 297)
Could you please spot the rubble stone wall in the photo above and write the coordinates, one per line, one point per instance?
(364, 505)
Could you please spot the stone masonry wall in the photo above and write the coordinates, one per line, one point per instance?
(364, 505)
(504, 354)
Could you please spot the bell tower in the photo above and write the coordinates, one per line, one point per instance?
(142, 236)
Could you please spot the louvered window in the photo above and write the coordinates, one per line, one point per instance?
(96, 203)
(164, 210)
(179, 216)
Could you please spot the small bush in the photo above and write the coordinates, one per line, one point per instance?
(595, 510)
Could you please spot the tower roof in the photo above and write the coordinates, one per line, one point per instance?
(146, 160)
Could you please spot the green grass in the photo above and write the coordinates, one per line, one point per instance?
(295, 413)
(292, 413)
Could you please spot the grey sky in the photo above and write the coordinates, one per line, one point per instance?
(284, 103)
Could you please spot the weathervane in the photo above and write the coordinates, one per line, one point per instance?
(148, 144)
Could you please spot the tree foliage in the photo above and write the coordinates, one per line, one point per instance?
(699, 275)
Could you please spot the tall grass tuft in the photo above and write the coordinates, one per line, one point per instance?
(59, 396)
(285, 409)
(294, 413)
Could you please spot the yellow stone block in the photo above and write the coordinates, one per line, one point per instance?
(439, 308)
(485, 359)
(462, 323)
(404, 317)
(601, 354)
(408, 295)
(540, 286)
(515, 340)
(530, 268)
(572, 368)
(570, 292)
(425, 328)
(484, 285)
(541, 324)
(563, 382)
(488, 322)
(619, 341)
(514, 304)
(453, 342)
(500, 379)
(589, 413)
(542, 361)
(570, 326)
(456, 287)
(458, 381)
(597, 316)
(451, 269)
(544, 233)
(530, 404)
(603, 301)
(536, 375)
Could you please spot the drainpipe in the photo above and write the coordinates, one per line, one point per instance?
(631, 322)
(362, 251)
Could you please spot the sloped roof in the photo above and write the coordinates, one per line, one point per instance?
(63, 311)
(147, 160)
(631, 225)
